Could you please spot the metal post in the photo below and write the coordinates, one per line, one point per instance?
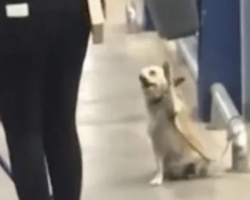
(188, 51)
(236, 128)
(245, 59)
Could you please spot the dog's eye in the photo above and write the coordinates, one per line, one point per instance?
(152, 73)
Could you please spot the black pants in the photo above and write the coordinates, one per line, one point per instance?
(41, 60)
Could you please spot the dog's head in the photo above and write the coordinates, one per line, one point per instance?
(156, 81)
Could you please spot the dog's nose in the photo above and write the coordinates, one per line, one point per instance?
(143, 79)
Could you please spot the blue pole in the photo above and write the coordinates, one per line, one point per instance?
(219, 52)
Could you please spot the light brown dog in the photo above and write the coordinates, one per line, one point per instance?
(178, 153)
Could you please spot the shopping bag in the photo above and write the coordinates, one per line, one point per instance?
(97, 11)
(174, 19)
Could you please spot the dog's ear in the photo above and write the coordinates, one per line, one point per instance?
(178, 81)
(167, 70)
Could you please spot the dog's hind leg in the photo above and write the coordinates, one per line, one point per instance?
(209, 169)
(159, 176)
(186, 168)
(201, 169)
(176, 171)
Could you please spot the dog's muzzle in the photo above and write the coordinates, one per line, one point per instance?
(145, 83)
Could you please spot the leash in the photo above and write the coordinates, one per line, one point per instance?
(183, 122)
(181, 117)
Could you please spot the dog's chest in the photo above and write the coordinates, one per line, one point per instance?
(165, 137)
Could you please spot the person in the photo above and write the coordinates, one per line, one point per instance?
(42, 47)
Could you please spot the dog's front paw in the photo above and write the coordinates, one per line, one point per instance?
(157, 180)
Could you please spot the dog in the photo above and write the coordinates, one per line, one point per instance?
(178, 153)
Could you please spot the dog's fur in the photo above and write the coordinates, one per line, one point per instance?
(174, 155)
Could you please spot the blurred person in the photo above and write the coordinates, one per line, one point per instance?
(42, 48)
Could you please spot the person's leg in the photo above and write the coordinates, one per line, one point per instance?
(60, 96)
(21, 69)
